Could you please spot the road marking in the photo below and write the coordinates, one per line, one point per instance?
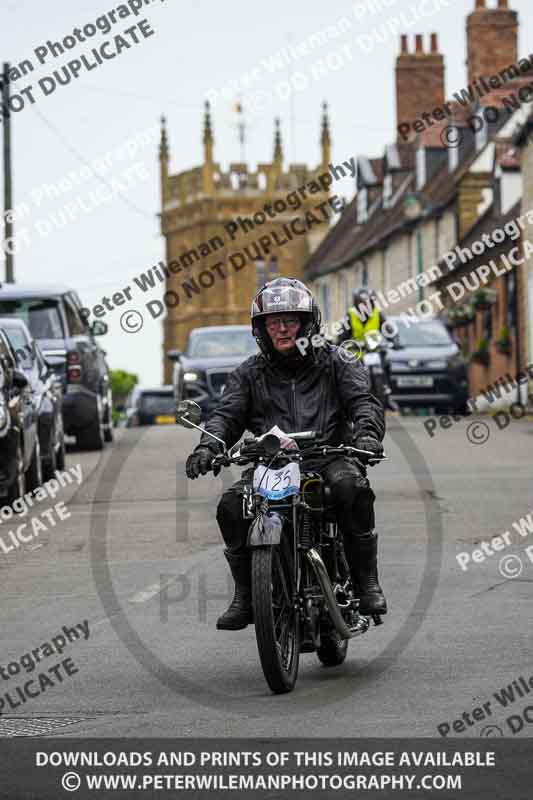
(152, 591)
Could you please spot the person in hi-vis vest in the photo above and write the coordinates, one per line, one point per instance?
(363, 323)
(369, 319)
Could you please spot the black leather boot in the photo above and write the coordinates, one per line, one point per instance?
(239, 613)
(362, 554)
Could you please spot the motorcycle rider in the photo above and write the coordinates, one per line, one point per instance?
(363, 323)
(319, 390)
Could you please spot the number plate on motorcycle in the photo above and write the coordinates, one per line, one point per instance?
(277, 483)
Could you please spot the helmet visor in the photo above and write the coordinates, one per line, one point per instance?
(282, 299)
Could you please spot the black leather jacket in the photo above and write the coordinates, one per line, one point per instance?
(320, 393)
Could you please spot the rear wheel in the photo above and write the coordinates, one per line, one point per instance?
(277, 624)
(18, 487)
(92, 437)
(34, 474)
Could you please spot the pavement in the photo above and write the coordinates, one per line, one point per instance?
(140, 562)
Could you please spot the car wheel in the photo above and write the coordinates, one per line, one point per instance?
(108, 418)
(60, 454)
(92, 437)
(108, 432)
(34, 474)
(18, 487)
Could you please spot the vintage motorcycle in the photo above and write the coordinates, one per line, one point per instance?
(302, 595)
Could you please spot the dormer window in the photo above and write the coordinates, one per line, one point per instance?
(387, 190)
(481, 136)
(362, 205)
(421, 174)
(453, 158)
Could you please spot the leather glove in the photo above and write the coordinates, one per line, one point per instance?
(200, 462)
(368, 443)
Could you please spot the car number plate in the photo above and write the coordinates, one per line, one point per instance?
(415, 380)
(277, 483)
(165, 419)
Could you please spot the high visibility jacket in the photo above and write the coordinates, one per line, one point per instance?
(359, 329)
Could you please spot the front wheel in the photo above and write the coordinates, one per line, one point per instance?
(277, 624)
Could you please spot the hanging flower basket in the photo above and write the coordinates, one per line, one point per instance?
(484, 299)
(503, 343)
(482, 353)
(461, 315)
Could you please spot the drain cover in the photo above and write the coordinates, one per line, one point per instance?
(35, 726)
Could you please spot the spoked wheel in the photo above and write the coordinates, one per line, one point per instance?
(277, 624)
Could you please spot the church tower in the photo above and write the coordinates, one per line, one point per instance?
(227, 233)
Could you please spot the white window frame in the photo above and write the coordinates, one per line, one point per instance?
(362, 205)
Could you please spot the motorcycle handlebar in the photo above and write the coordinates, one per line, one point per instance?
(300, 455)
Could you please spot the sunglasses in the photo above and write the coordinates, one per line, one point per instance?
(288, 322)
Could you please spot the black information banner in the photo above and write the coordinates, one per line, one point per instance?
(51, 769)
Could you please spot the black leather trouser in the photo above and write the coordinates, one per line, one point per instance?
(351, 496)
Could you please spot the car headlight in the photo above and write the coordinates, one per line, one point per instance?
(438, 363)
(190, 376)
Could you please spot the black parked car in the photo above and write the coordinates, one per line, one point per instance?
(151, 407)
(20, 460)
(46, 387)
(201, 373)
(427, 368)
(54, 320)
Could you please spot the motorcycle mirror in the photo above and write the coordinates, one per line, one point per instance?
(188, 413)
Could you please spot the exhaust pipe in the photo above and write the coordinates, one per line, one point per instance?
(323, 578)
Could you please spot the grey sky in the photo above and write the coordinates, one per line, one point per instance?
(197, 48)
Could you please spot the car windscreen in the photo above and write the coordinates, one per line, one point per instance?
(157, 403)
(41, 315)
(431, 333)
(219, 344)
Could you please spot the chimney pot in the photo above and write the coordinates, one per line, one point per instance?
(404, 43)
(502, 4)
(480, 3)
(434, 43)
(419, 43)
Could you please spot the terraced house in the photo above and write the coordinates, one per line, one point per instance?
(451, 173)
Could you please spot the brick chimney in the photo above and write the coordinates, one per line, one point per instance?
(419, 79)
(492, 39)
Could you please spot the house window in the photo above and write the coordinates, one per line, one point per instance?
(387, 191)
(362, 205)
(420, 167)
(453, 158)
(324, 295)
(481, 136)
(511, 301)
